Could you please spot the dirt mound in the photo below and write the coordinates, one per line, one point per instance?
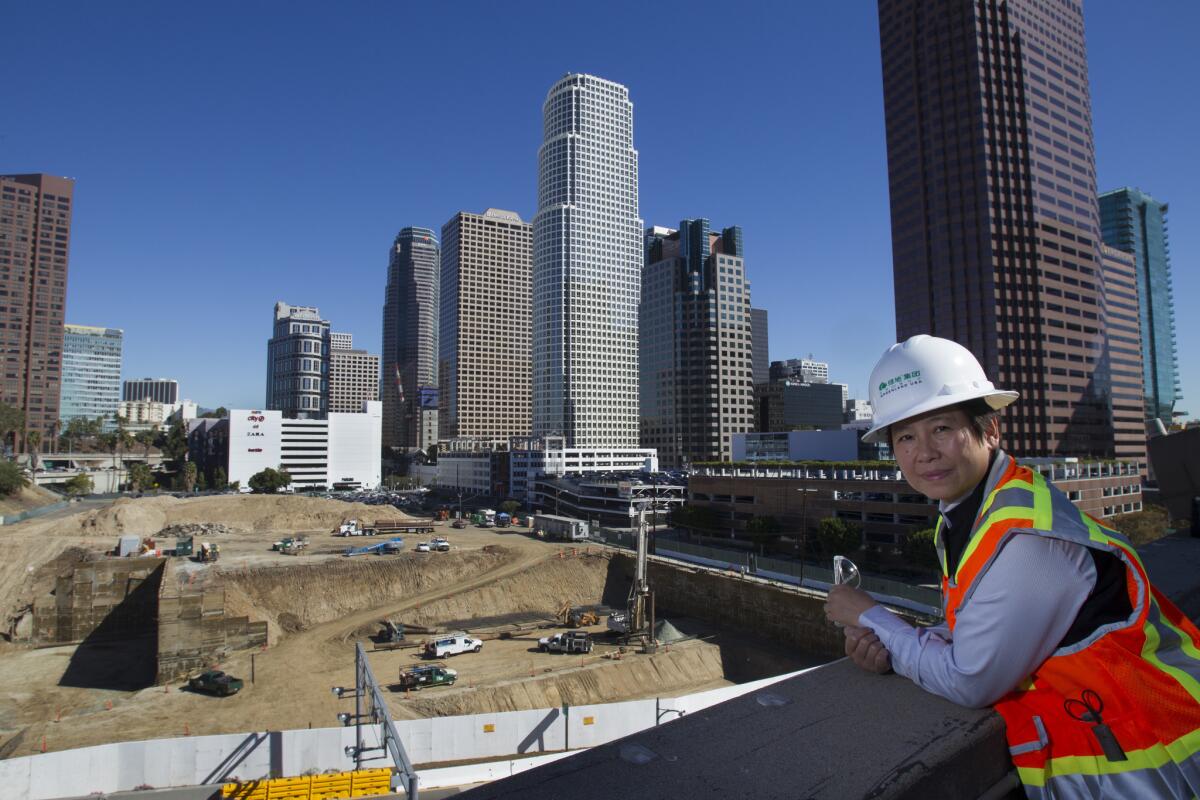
(147, 515)
(664, 673)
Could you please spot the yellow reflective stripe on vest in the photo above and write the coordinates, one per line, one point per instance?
(938, 546)
(1154, 757)
(1150, 653)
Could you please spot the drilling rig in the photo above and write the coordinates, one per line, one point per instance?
(641, 599)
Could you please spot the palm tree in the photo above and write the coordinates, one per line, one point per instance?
(33, 442)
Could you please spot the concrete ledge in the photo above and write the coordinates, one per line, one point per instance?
(834, 732)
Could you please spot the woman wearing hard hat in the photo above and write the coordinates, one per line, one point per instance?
(1050, 616)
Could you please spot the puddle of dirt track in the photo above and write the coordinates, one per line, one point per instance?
(318, 606)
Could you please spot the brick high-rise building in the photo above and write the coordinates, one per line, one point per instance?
(484, 370)
(696, 347)
(995, 227)
(410, 341)
(35, 237)
(1123, 358)
(353, 379)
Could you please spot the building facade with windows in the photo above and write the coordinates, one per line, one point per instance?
(760, 335)
(409, 381)
(485, 341)
(1123, 358)
(91, 374)
(587, 265)
(696, 348)
(1135, 222)
(353, 380)
(807, 370)
(298, 363)
(995, 222)
(158, 390)
(35, 240)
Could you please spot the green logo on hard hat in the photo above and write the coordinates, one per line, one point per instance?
(899, 382)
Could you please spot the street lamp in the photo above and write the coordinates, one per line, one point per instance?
(804, 493)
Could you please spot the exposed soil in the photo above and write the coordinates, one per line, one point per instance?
(319, 603)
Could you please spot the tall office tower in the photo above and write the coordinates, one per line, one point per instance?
(995, 228)
(298, 363)
(1124, 355)
(158, 390)
(587, 265)
(1135, 222)
(485, 341)
(697, 348)
(91, 373)
(353, 379)
(762, 356)
(410, 341)
(35, 235)
(341, 341)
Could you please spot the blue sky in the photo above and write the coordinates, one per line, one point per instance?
(228, 155)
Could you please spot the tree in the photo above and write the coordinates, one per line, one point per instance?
(220, 480)
(201, 481)
(174, 445)
(12, 478)
(762, 530)
(140, 477)
(146, 440)
(33, 444)
(838, 537)
(510, 507)
(12, 419)
(79, 485)
(220, 412)
(234, 486)
(187, 476)
(269, 481)
(919, 550)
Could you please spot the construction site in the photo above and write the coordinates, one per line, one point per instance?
(100, 648)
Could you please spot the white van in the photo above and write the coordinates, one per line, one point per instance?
(452, 646)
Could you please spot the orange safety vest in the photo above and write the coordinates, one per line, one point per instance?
(1130, 688)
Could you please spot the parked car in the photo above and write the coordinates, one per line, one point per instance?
(214, 681)
(440, 544)
(459, 523)
(452, 646)
(568, 642)
(422, 547)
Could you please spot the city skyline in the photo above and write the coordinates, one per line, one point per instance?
(794, 150)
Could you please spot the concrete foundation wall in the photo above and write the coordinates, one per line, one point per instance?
(778, 613)
(113, 598)
(193, 631)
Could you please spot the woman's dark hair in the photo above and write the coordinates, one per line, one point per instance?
(979, 418)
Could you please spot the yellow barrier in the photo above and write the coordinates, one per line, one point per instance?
(332, 786)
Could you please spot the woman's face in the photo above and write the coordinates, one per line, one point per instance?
(939, 454)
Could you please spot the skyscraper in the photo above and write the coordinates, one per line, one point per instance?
(1123, 357)
(696, 346)
(587, 263)
(91, 375)
(298, 363)
(995, 228)
(1135, 222)
(761, 336)
(158, 390)
(35, 236)
(353, 379)
(410, 341)
(484, 366)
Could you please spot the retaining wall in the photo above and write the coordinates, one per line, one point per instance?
(113, 598)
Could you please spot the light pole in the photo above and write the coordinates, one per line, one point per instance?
(804, 493)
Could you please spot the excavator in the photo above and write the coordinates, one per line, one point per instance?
(577, 617)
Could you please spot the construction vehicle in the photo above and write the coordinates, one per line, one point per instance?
(427, 675)
(503, 520)
(452, 645)
(442, 514)
(570, 642)
(290, 545)
(391, 637)
(351, 527)
(183, 547)
(394, 545)
(214, 681)
(578, 616)
(207, 553)
(401, 526)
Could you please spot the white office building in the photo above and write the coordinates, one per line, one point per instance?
(550, 456)
(341, 451)
(587, 263)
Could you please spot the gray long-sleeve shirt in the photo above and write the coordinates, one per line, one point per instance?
(1020, 610)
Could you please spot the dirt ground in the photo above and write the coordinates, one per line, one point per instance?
(319, 604)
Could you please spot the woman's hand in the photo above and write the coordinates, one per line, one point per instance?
(845, 603)
(864, 649)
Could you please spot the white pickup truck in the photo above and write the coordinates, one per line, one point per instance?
(452, 646)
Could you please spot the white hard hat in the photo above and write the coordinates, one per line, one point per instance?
(925, 373)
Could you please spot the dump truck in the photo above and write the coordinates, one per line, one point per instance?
(214, 681)
(428, 675)
(569, 642)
